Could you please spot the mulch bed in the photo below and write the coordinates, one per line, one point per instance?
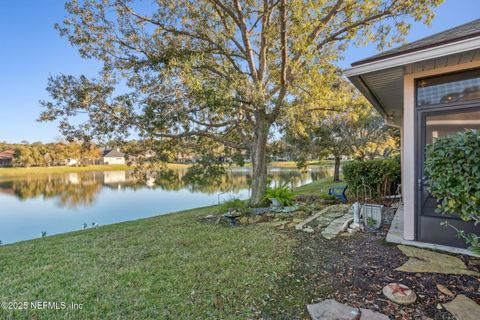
(354, 269)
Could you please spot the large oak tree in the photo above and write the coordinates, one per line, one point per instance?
(220, 70)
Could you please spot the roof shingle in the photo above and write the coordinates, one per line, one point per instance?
(464, 31)
(113, 154)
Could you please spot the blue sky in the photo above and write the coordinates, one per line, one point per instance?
(32, 50)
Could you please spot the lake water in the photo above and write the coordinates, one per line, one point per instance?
(64, 202)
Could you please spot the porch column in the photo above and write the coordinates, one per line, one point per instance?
(408, 158)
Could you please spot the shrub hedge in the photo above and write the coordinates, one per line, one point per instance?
(381, 176)
(452, 170)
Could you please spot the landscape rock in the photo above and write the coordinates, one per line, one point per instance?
(332, 310)
(463, 308)
(399, 293)
(337, 226)
(421, 260)
(366, 314)
(350, 230)
(323, 221)
(259, 210)
(334, 214)
(445, 290)
(305, 222)
(291, 225)
(282, 216)
(279, 223)
(243, 220)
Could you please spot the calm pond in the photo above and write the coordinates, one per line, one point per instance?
(65, 202)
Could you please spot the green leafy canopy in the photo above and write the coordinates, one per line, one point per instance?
(226, 71)
(452, 170)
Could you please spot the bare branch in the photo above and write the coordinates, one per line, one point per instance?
(246, 40)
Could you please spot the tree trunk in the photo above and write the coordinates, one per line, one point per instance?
(259, 162)
(336, 172)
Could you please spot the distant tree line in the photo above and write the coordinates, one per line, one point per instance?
(39, 154)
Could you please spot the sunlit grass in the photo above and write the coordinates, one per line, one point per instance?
(174, 266)
(167, 267)
(318, 186)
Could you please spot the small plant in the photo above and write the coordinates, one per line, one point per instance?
(84, 225)
(233, 204)
(326, 196)
(283, 194)
(371, 222)
(452, 171)
(43, 234)
(471, 239)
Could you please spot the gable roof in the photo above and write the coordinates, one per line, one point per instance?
(7, 154)
(112, 153)
(462, 32)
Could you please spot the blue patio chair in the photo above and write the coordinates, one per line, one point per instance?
(339, 192)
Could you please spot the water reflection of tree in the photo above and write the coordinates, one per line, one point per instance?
(73, 190)
(80, 192)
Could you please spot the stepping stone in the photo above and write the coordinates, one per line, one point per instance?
(243, 220)
(334, 214)
(463, 308)
(323, 221)
(337, 226)
(399, 293)
(310, 219)
(428, 261)
(367, 314)
(332, 310)
(336, 211)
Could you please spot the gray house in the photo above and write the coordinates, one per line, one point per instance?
(428, 88)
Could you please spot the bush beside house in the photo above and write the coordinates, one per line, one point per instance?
(452, 172)
(380, 176)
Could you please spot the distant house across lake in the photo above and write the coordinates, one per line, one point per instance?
(113, 157)
(6, 157)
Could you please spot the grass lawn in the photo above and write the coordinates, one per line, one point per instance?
(174, 266)
(166, 267)
(14, 172)
(293, 164)
(18, 172)
(318, 186)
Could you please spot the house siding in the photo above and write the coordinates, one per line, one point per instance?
(409, 142)
(113, 160)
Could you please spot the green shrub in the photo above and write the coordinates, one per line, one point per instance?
(381, 176)
(282, 193)
(452, 172)
(326, 196)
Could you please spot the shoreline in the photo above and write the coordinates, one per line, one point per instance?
(313, 187)
(22, 171)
